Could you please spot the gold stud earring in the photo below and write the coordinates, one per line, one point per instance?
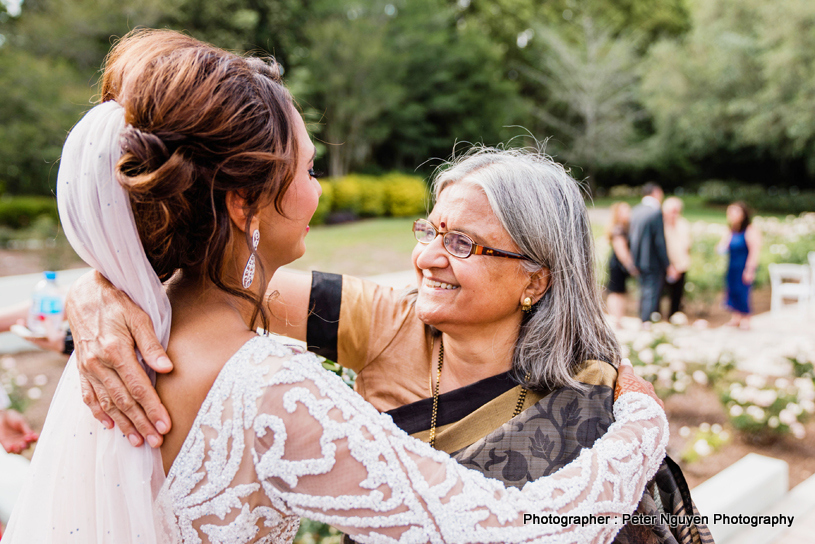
(526, 306)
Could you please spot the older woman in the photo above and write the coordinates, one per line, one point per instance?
(501, 357)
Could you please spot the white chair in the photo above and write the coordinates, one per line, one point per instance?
(811, 257)
(790, 281)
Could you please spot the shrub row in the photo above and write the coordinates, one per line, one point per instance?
(763, 199)
(353, 196)
(21, 211)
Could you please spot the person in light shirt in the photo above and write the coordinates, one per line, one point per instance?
(677, 242)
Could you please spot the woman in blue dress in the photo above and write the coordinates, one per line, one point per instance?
(742, 243)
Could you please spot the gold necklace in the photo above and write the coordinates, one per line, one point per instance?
(518, 405)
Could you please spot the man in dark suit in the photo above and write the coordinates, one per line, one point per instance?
(648, 250)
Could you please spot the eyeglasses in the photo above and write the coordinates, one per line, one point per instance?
(456, 243)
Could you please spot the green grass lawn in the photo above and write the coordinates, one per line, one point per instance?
(361, 248)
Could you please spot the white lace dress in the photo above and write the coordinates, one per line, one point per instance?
(278, 437)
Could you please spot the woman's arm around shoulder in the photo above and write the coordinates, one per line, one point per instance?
(332, 457)
(288, 294)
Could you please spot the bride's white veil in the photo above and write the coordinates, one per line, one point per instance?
(88, 484)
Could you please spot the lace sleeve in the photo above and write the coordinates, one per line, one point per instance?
(322, 452)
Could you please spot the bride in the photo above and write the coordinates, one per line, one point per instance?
(196, 173)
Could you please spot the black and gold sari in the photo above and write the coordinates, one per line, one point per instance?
(474, 427)
(374, 331)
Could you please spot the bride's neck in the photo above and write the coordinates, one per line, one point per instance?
(193, 296)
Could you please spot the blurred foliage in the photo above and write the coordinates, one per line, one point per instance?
(789, 200)
(314, 532)
(324, 206)
(405, 196)
(354, 196)
(373, 196)
(22, 211)
(347, 195)
(737, 90)
(40, 103)
(628, 90)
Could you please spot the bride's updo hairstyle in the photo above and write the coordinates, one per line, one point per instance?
(200, 122)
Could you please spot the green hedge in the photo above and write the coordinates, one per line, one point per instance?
(21, 211)
(354, 195)
(324, 207)
(762, 199)
(405, 196)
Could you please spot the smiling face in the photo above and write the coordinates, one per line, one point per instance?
(735, 216)
(282, 237)
(479, 291)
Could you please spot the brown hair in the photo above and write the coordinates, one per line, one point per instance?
(745, 217)
(201, 122)
(616, 219)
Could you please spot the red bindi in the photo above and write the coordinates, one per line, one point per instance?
(443, 224)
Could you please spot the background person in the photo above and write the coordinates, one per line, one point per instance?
(742, 244)
(678, 243)
(647, 237)
(620, 263)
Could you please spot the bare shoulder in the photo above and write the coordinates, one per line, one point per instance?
(198, 355)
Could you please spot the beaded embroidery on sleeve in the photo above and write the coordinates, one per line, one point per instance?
(279, 437)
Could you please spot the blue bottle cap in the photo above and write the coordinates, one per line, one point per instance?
(50, 275)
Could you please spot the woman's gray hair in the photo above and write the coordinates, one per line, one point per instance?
(541, 207)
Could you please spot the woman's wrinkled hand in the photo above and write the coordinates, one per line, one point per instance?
(107, 327)
(628, 382)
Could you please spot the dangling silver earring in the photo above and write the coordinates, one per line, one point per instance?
(249, 271)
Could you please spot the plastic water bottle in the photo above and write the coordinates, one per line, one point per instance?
(47, 305)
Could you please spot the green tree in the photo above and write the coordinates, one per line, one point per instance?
(42, 99)
(352, 77)
(398, 82)
(591, 83)
(699, 89)
(782, 117)
(270, 26)
(456, 88)
(738, 86)
(50, 55)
